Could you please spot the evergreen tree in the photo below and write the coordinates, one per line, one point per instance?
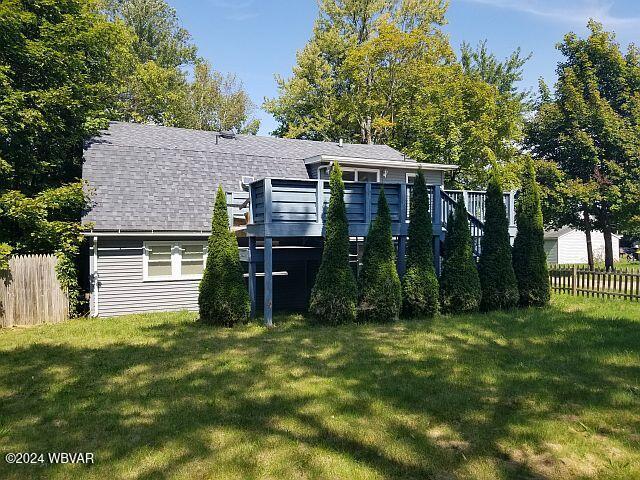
(380, 289)
(223, 298)
(529, 259)
(497, 279)
(459, 282)
(420, 284)
(334, 295)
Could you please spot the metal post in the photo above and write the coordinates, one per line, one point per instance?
(268, 282)
(252, 275)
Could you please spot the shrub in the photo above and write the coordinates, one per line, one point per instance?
(223, 298)
(459, 282)
(334, 294)
(497, 279)
(380, 290)
(420, 295)
(529, 259)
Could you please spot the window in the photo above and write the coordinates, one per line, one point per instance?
(411, 178)
(352, 174)
(173, 260)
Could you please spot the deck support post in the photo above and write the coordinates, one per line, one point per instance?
(268, 282)
(402, 255)
(437, 227)
(252, 275)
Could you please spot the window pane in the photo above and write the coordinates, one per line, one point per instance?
(411, 179)
(159, 261)
(191, 267)
(159, 268)
(323, 173)
(348, 176)
(367, 176)
(192, 259)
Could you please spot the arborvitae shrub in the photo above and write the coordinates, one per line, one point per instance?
(420, 289)
(497, 279)
(223, 298)
(459, 282)
(334, 295)
(380, 290)
(529, 259)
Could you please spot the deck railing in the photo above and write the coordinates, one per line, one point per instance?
(293, 207)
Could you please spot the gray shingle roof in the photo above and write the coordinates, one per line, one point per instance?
(147, 177)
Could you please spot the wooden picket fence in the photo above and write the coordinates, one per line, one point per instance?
(31, 294)
(579, 280)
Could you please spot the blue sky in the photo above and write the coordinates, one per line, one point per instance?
(258, 38)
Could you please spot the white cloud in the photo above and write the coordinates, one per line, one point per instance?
(572, 11)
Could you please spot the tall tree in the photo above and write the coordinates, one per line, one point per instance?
(590, 128)
(459, 282)
(420, 290)
(380, 292)
(60, 66)
(223, 298)
(219, 102)
(334, 294)
(497, 278)
(529, 259)
(383, 72)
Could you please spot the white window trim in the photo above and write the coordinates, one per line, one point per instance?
(409, 175)
(353, 169)
(176, 261)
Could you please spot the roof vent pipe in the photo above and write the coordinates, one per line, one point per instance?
(340, 143)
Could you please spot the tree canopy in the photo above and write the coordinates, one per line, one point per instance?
(587, 136)
(384, 72)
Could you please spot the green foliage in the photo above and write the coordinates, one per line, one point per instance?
(334, 294)
(48, 223)
(459, 283)
(497, 278)
(420, 289)
(529, 259)
(61, 65)
(5, 254)
(219, 102)
(590, 130)
(380, 292)
(383, 72)
(223, 298)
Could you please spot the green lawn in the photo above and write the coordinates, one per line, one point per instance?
(550, 393)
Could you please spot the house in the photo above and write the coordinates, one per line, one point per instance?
(153, 189)
(569, 246)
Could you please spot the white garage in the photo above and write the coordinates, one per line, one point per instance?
(569, 246)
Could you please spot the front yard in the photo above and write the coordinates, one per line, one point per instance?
(551, 393)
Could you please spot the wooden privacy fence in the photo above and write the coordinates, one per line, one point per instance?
(32, 294)
(579, 280)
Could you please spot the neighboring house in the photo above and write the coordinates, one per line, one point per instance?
(569, 246)
(153, 190)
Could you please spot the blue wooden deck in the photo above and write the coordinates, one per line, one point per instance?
(280, 208)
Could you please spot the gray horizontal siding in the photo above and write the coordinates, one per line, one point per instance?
(122, 290)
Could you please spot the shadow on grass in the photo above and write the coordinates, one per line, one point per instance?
(412, 400)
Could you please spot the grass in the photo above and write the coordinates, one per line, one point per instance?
(551, 393)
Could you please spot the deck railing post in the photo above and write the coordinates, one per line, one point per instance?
(367, 203)
(437, 226)
(252, 274)
(268, 281)
(319, 200)
(267, 201)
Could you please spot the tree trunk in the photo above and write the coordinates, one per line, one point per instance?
(587, 233)
(608, 248)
